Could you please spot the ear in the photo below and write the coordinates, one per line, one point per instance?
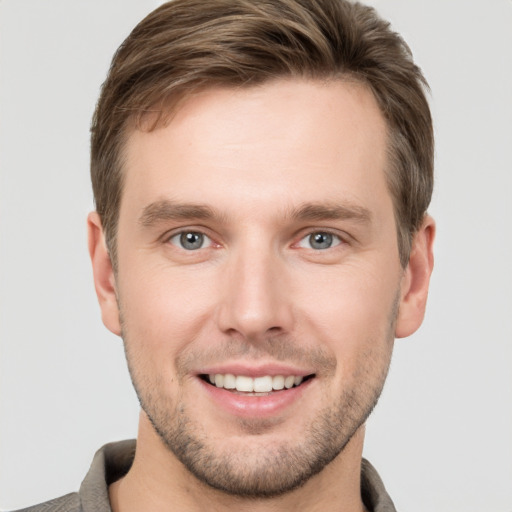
(104, 278)
(416, 279)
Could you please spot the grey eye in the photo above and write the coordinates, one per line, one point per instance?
(190, 240)
(320, 240)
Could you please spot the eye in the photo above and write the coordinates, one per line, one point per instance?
(320, 240)
(190, 240)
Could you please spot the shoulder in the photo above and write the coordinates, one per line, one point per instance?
(67, 503)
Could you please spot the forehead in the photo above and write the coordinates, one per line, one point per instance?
(285, 141)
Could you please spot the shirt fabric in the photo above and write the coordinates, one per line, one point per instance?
(113, 461)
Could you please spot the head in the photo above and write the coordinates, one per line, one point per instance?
(261, 173)
(186, 46)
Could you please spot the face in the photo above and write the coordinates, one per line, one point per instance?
(259, 279)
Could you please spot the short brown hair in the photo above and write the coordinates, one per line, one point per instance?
(188, 45)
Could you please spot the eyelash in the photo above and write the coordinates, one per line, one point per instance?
(333, 238)
(179, 236)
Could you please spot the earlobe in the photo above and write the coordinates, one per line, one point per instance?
(104, 278)
(416, 279)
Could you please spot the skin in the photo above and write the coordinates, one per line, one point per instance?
(257, 294)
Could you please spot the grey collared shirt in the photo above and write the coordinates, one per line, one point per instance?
(113, 461)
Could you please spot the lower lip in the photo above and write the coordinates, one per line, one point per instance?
(264, 406)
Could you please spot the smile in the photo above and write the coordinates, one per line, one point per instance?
(256, 393)
(263, 384)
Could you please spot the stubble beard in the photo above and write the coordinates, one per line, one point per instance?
(254, 472)
(271, 472)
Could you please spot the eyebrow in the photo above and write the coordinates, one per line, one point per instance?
(166, 210)
(322, 211)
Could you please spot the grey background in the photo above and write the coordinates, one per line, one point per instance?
(441, 436)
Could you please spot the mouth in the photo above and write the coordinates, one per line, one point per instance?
(255, 386)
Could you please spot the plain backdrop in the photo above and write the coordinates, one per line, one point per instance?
(441, 437)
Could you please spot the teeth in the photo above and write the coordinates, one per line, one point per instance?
(243, 383)
(229, 381)
(278, 382)
(263, 384)
(289, 381)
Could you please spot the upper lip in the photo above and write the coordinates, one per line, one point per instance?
(252, 370)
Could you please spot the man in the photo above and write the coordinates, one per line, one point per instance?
(261, 173)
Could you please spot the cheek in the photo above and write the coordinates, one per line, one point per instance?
(352, 311)
(352, 295)
(164, 309)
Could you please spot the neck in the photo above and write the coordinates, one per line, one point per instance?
(157, 481)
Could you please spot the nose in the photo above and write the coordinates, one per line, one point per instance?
(256, 299)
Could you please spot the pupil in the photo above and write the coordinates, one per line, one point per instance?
(191, 240)
(321, 240)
